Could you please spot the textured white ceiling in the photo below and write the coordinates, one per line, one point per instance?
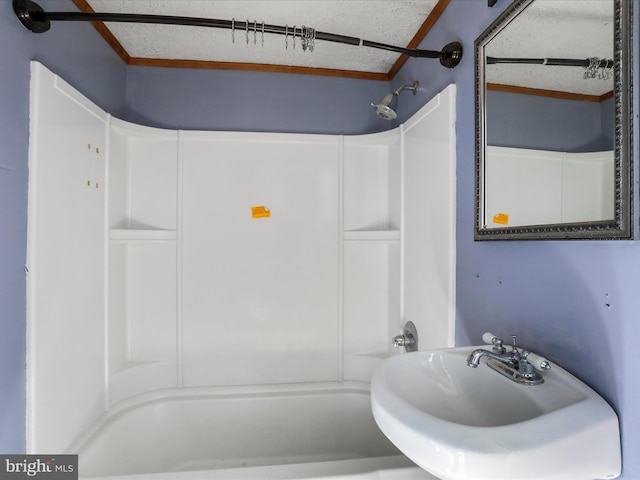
(547, 28)
(555, 29)
(385, 21)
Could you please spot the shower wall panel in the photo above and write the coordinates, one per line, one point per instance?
(372, 182)
(371, 250)
(142, 259)
(371, 304)
(429, 226)
(530, 185)
(260, 293)
(65, 263)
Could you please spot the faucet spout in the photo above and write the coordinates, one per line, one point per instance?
(473, 360)
(513, 364)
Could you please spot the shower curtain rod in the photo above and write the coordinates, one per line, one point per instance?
(563, 62)
(37, 20)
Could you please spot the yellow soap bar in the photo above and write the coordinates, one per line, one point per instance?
(260, 212)
(501, 218)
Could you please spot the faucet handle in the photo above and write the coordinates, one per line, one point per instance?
(491, 339)
(539, 363)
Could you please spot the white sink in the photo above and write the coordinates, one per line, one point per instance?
(466, 423)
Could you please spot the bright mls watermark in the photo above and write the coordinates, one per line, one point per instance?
(49, 467)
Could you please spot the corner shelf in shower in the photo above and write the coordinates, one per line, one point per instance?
(372, 235)
(124, 235)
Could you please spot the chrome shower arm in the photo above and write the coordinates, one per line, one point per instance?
(413, 88)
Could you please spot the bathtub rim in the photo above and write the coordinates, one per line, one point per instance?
(394, 467)
(227, 391)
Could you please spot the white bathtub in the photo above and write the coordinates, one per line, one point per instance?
(263, 432)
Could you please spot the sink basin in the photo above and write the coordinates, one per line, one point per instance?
(466, 423)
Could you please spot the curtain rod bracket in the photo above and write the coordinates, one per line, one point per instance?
(28, 12)
(451, 54)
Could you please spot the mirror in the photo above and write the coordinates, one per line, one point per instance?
(553, 122)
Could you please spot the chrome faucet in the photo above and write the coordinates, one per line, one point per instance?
(499, 353)
(513, 364)
(473, 360)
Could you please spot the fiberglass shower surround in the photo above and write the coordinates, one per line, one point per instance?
(175, 264)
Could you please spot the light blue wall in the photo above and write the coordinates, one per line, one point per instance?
(241, 101)
(574, 302)
(80, 56)
(528, 121)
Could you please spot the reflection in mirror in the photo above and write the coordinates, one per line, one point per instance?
(553, 120)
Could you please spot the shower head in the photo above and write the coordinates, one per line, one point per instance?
(384, 109)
